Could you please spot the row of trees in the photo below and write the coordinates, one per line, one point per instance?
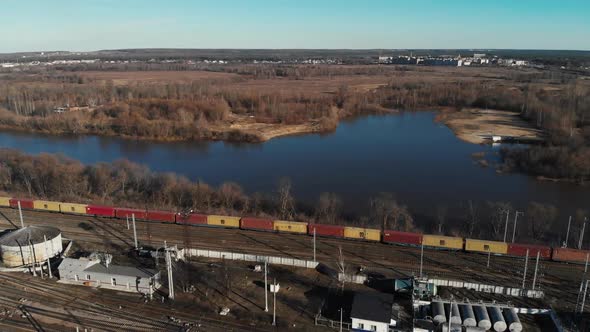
(55, 177)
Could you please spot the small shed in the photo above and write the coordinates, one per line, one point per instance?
(94, 273)
(372, 312)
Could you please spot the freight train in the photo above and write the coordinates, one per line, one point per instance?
(332, 231)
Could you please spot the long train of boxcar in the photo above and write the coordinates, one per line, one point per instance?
(429, 241)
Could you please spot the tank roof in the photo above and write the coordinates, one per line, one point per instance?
(28, 235)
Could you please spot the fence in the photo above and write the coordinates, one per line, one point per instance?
(535, 294)
(248, 257)
(323, 321)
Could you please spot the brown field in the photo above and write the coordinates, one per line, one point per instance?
(162, 77)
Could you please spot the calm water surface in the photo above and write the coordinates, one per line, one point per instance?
(421, 161)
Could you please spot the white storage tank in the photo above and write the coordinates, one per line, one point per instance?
(455, 314)
(498, 322)
(438, 312)
(512, 320)
(483, 319)
(467, 315)
(27, 245)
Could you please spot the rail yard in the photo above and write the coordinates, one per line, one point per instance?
(559, 281)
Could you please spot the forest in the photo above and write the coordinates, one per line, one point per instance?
(123, 183)
(220, 101)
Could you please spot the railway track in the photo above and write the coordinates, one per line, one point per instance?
(113, 234)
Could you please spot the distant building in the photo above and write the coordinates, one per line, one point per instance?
(93, 273)
(373, 312)
(479, 55)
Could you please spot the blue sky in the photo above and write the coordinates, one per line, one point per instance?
(85, 25)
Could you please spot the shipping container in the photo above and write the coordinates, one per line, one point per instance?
(519, 250)
(405, 238)
(72, 208)
(165, 216)
(326, 230)
(191, 219)
(46, 205)
(570, 255)
(362, 233)
(123, 213)
(290, 226)
(256, 224)
(485, 246)
(224, 221)
(444, 242)
(100, 210)
(24, 203)
(5, 201)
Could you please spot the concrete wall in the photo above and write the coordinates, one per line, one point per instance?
(13, 256)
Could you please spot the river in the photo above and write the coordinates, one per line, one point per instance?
(410, 155)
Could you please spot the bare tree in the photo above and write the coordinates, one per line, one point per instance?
(341, 266)
(441, 217)
(540, 218)
(389, 214)
(328, 208)
(472, 218)
(498, 211)
(286, 200)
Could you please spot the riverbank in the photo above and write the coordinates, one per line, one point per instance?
(477, 126)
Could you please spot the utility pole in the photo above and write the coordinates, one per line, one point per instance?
(536, 268)
(489, 254)
(582, 235)
(47, 255)
(265, 288)
(274, 302)
(506, 226)
(33, 258)
(586, 266)
(421, 258)
(584, 298)
(314, 245)
(526, 262)
(341, 319)
(450, 313)
(567, 234)
(515, 222)
(134, 231)
(20, 213)
(127, 218)
(170, 279)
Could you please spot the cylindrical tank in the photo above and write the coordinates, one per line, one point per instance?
(31, 244)
(498, 322)
(512, 320)
(483, 319)
(455, 315)
(438, 312)
(467, 315)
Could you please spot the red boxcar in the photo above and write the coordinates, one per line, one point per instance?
(99, 210)
(256, 223)
(570, 255)
(519, 249)
(191, 219)
(402, 237)
(165, 216)
(326, 230)
(24, 203)
(123, 213)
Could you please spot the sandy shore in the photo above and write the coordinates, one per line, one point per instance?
(477, 126)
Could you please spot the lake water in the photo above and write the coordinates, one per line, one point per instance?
(410, 155)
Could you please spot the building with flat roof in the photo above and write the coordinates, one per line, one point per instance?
(372, 312)
(94, 273)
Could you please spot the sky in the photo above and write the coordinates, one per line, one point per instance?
(87, 25)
